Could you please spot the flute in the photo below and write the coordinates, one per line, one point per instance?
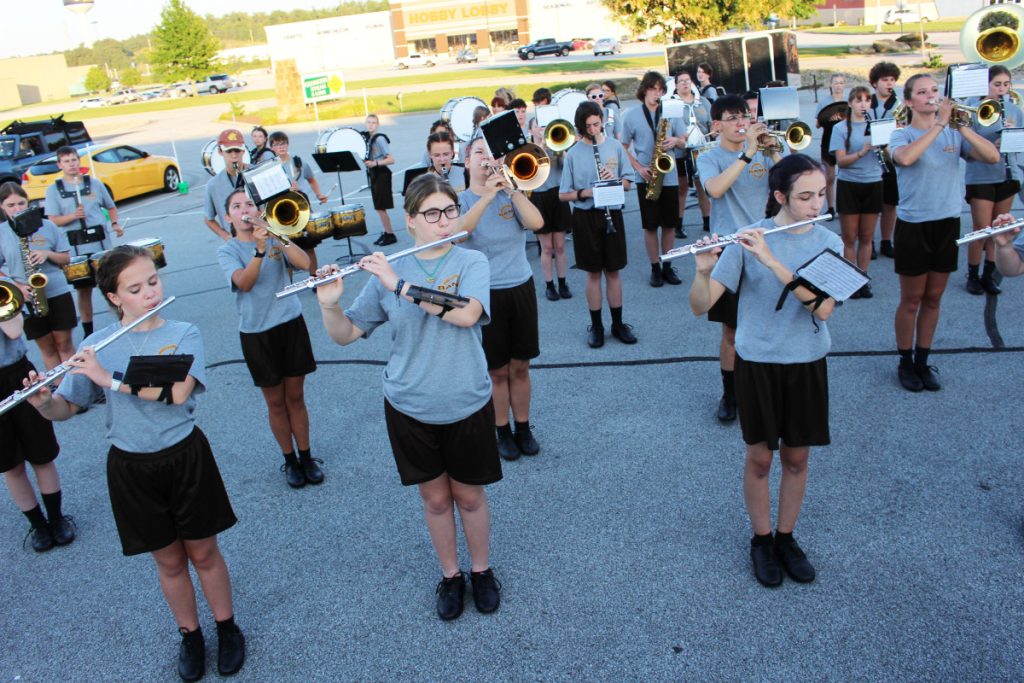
(311, 282)
(731, 239)
(59, 371)
(985, 233)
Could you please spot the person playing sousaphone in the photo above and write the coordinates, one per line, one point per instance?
(231, 146)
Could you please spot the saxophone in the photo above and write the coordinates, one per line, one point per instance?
(36, 280)
(661, 163)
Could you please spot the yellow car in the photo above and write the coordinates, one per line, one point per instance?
(125, 170)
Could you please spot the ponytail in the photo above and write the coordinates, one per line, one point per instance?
(783, 175)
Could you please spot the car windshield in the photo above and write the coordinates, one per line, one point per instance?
(7, 148)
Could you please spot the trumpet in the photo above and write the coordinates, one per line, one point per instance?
(11, 301)
(988, 112)
(797, 136)
(901, 115)
(318, 280)
(559, 135)
(985, 233)
(285, 216)
(525, 168)
(693, 249)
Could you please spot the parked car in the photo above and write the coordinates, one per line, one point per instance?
(183, 89)
(904, 14)
(151, 94)
(126, 171)
(544, 46)
(606, 46)
(23, 144)
(124, 96)
(215, 84)
(582, 43)
(466, 55)
(413, 60)
(92, 103)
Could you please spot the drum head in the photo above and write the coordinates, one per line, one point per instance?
(342, 140)
(567, 101)
(458, 111)
(213, 162)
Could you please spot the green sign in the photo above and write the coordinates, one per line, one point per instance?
(323, 86)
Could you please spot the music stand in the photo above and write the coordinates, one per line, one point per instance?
(340, 162)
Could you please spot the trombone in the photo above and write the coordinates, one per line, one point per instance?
(559, 136)
(524, 168)
(797, 136)
(285, 215)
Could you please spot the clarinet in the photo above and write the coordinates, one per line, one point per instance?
(607, 212)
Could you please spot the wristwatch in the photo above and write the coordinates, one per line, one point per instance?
(258, 254)
(117, 378)
(744, 158)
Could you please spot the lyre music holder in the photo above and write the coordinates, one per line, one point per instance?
(338, 163)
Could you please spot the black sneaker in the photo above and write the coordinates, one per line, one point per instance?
(726, 409)
(680, 233)
(451, 594)
(886, 250)
(857, 294)
(909, 377)
(191, 655)
(294, 475)
(656, 278)
(63, 530)
(380, 240)
(507, 448)
(486, 590)
(230, 650)
(990, 286)
(311, 470)
(563, 291)
(595, 337)
(388, 238)
(525, 441)
(766, 565)
(41, 539)
(624, 333)
(794, 561)
(668, 273)
(865, 292)
(974, 286)
(551, 293)
(928, 374)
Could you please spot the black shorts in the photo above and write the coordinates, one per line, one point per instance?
(856, 198)
(928, 247)
(467, 450)
(890, 189)
(555, 213)
(282, 351)
(594, 248)
(27, 435)
(663, 212)
(993, 192)
(380, 187)
(783, 401)
(512, 332)
(62, 316)
(159, 498)
(724, 310)
(686, 167)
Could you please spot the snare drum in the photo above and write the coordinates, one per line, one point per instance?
(155, 247)
(349, 220)
(213, 162)
(458, 111)
(77, 270)
(320, 225)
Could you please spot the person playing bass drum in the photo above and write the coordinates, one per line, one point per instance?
(378, 158)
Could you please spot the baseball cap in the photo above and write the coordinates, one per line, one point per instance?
(231, 139)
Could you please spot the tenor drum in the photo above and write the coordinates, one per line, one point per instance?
(304, 240)
(458, 111)
(78, 269)
(568, 100)
(342, 140)
(320, 226)
(349, 220)
(213, 162)
(94, 262)
(155, 247)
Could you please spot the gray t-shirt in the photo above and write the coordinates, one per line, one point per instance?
(47, 238)
(764, 335)
(699, 113)
(636, 131)
(981, 173)
(259, 309)
(218, 189)
(133, 424)
(864, 170)
(436, 372)
(379, 148)
(930, 188)
(611, 115)
(500, 236)
(94, 203)
(743, 203)
(301, 177)
(580, 169)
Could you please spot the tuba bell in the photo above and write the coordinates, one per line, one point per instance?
(992, 35)
(11, 301)
(559, 135)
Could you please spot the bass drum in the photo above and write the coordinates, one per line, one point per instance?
(568, 100)
(214, 162)
(342, 140)
(458, 111)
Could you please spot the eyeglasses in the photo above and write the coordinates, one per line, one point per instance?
(434, 215)
(738, 117)
(597, 96)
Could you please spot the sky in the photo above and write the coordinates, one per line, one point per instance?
(45, 26)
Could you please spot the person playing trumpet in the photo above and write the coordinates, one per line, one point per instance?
(275, 341)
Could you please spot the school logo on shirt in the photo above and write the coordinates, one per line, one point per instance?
(612, 163)
(275, 252)
(506, 212)
(166, 350)
(449, 285)
(37, 240)
(757, 170)
(950, 149)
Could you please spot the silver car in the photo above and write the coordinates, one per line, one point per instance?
(606, 46)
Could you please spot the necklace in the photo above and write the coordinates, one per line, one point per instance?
(432, 275)
(138, 349)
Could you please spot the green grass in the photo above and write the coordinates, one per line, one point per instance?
(929, 27)
(832, 51)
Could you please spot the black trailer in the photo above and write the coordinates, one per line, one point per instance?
(741, 62)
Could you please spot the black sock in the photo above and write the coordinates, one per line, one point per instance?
(505, 430)
(561, 282)
(972, 271)
(520, 426)
(729, 383)
(681, 223)
(616, 315)
(551, 284)
(290, 458)
(707, 223)
(906, 356)
(921, 356)
(226, 627)
(305, 454)
(35, 517)
(761, 539)
(595, 319)
(87, 327)
(52, 503)
(783, 538)
(990, 267)
(191, 635)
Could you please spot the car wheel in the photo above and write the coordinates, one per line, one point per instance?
(403, 66)
(564, 52)
(531, 55)
(430, 64)
(171, 179)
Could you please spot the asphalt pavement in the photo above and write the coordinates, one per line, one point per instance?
(622, 547)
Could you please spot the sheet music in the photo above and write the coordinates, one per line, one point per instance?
(881, 131)
(609, 193)
(269, 181)
(968, 80)
(1012, 140)
(546, 113)
(672, 109)
(834, 275)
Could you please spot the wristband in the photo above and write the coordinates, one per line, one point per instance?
(258, 254)
(744, 158)
(117, 378)
(444, 309)
(398, 288)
